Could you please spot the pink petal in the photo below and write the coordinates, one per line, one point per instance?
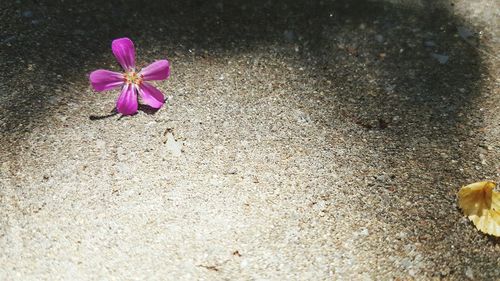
(127, 101)
(158, 70)
(124, 51)
(150, 95)
(102, 80)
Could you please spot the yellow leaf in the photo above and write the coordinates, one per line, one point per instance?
(481, 204)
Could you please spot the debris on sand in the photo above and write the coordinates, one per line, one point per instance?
(442, 59)
(481, 204)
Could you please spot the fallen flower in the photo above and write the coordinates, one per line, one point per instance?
(481, 204)
(132, 82)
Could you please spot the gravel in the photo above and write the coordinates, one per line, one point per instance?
(300, 141)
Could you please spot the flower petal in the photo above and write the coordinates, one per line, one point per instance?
(479, 202)
(102, 80)
(158, 70)
(150, 95)
(127, 101)
(123, 49)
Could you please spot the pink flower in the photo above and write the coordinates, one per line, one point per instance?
(132, 82)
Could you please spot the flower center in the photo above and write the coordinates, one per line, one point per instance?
(132, 77)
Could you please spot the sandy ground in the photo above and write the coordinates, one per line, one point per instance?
(302, 140)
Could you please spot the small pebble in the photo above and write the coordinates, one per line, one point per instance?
(429, 44)
(364, 232)
(289, 35)
(27, 14)
(464, 32)
(442, 59)
(469, 273)
(232, 171)
(173, 146)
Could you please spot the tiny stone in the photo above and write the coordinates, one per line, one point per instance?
(402, 235)
(412, 272)
(364, 232)
(27, 14)
(445, 271)
(405, 263)
(442, 59)
(464, 32)
(173, 146)
(390, 88)
(469, 273)
(289, 35)
(464, 220)
(381, 178)
(483, 159)
(429, 44)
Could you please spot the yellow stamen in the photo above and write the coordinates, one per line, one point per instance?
(132, 78)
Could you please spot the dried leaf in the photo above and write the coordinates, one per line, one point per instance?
(481, 204)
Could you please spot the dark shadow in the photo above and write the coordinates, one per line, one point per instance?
(101, 117)
(147, 109)
(141, 107)
(383, 80)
